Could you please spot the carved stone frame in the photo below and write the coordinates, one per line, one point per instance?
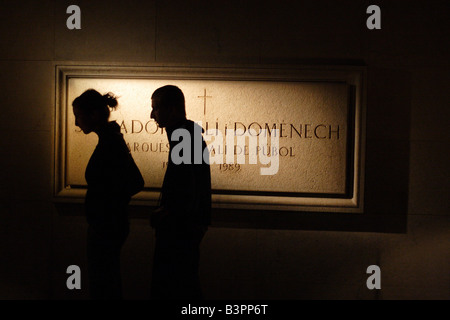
(353, 76)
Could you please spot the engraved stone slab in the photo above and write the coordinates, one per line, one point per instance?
(306, 133)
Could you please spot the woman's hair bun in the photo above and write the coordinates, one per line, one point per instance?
(110, 100)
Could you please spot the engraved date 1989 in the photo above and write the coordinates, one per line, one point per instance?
(232, 168)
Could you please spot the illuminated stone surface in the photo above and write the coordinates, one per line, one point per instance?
(280, 140)
(311, 119)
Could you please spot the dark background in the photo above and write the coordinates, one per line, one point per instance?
(245, 255)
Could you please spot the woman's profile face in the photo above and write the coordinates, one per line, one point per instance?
(84, 120)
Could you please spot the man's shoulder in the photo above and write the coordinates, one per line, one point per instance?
(192, 126)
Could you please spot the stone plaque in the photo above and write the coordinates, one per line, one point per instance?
(280, 139)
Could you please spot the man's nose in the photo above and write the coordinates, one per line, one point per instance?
(152, 115)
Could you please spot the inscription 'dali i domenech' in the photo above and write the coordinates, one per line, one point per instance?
(310, 120)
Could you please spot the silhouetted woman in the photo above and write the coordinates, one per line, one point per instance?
(112, 178)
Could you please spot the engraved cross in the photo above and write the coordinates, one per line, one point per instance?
(204, 99)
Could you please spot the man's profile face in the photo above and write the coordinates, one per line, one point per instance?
(160, 114)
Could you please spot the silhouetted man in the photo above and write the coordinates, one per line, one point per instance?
(185, 207)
